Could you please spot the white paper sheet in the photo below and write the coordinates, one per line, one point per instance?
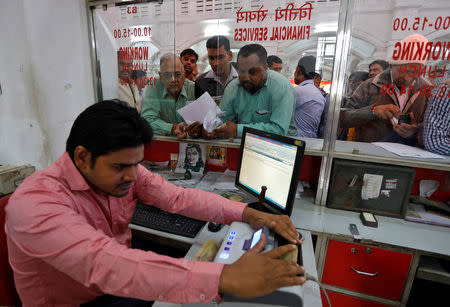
(426, 217)
(197, 109)
(225, 181)
(428, 187)
(371, 186)
(407, 151)
(211, 121)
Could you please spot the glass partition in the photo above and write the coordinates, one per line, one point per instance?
(131, 38)
(367, 58)
(129, 41)
(398, 58)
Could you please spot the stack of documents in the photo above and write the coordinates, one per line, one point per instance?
(417, 213)
(203, 110)
(408, 151)
(225, 181)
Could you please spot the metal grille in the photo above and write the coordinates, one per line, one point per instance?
(210, 6)
(312, 1)
(184, 7)
(144, 11)
(157, 9)
(255, 4)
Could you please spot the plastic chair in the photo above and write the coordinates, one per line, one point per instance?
(8, 294)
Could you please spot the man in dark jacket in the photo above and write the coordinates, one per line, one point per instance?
(375, 107)
(222, 72)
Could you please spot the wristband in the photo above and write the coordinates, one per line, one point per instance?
(373, 109)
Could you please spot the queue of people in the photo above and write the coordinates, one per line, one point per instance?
(375, 106)
(255, 94)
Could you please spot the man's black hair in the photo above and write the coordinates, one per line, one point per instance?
(273, 59)
(218, 41)
(357, 76)
(383, 64)
(257, 49)
(108, 126)
(316, 75)
(307, 76)
(189, 52)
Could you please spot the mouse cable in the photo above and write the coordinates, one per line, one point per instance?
(312, 278)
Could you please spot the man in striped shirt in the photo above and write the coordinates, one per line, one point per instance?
(436, 125)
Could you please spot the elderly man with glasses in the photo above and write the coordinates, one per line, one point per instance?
(170, 93)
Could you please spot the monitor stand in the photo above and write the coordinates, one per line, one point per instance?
(259, 204)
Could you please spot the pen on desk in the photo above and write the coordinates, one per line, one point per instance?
(173, 179)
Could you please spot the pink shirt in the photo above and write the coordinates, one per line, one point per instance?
(68, 243)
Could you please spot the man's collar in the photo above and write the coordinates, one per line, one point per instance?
(307, 81)
(71, 173)
(211, 74)
(269, 75)
(233, 74)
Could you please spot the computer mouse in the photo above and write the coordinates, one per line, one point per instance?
(214, 227)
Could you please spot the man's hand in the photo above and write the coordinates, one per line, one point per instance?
(225, 131)
(208, 135)
(194, 130)
(179, 130)
(256, 274)
(281, 224)
(407, 130)
(386, 111)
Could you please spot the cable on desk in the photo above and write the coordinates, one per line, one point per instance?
(312, 278)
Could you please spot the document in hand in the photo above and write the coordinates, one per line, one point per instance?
(200, 109)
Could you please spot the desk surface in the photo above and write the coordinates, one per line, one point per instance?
(393, 231)
(343, 149)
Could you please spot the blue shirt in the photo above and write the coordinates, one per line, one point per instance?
(436, 124)
(269, 109)
(309, 104)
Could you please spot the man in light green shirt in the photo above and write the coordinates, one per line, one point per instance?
(260, 98)
(170, 93)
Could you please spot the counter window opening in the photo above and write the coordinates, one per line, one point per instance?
(357, 47)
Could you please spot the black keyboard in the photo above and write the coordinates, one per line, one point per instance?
(152, 217)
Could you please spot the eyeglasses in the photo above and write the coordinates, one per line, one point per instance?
(170, 75)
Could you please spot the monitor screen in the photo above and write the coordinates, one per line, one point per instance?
(273, 161)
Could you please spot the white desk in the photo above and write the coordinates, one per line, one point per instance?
(393, 231)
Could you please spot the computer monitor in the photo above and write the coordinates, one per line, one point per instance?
(270, 160)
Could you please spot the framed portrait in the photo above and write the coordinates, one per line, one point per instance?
(216, 155)
(192, 157)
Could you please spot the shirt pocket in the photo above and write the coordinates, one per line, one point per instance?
(262, 116)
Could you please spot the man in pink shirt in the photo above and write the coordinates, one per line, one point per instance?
(68, 235)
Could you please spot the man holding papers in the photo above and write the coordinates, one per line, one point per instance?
(170, 93)
(375, 107)
(260, 98)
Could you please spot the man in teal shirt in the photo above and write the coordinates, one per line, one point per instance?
(170, 93)
(260, 98)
